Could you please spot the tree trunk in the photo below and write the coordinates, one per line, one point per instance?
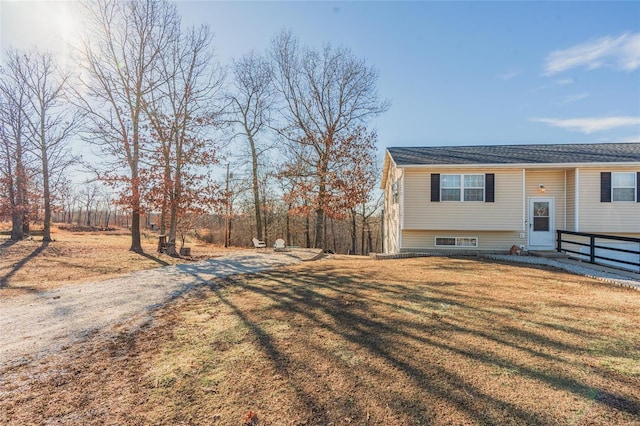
(71, 211)
(333, 234)
(362, 231)
(322, 195)
(307, 231)
(17, 232)
(256, 187)
(165, 192)
(136, 243)
(20, 223)
(354, 243)
(163, 217)
(265, 219)
(288, 224)
(171, 241)
(319, 229)
(25, 212)
(173, 217)
(16, 214)
(46, 233)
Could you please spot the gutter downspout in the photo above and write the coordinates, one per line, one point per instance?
(524, 202)
(577, 200)
(565, 200)
(401, 221)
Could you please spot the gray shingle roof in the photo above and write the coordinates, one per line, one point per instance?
(518, 154)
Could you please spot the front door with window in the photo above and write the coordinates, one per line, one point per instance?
(541, 227)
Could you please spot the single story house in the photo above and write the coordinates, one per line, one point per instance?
(490, 198)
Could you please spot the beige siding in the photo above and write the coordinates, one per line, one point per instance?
(392, 211)
(499, 225)
(553, 181)
(607, 218)
(571, 200)
(505, 214)
(487, 240)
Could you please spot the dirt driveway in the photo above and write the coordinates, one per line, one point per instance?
(37, 323)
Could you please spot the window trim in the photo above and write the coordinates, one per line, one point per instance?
(457, 242)
(635, 187)
(462, 187)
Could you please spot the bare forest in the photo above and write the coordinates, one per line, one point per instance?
(147, 131)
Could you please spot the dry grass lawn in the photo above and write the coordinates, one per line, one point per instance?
(74, 257)
(355, 341)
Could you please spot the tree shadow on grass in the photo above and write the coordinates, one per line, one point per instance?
(323, 306)
(4, 280)
(155, 259)
(7, 243)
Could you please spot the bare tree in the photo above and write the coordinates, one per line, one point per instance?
(49, 119)
(327, 95)
(251, 102)
(89, 195)
(182, 111)
(13, 128)
(120, 58)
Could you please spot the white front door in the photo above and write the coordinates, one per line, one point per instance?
(541, 227)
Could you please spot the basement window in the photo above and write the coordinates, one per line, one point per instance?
(456, 242)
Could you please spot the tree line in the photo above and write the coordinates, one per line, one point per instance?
(291, 124)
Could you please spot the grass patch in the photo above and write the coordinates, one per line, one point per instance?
(404, 342)
(76, 257)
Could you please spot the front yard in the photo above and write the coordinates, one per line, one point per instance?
(356, 341)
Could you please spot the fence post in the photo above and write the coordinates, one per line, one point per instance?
(558, 241)
(592, 244)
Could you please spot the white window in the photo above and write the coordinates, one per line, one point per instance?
(394, 192)
(462, 188)
(623, 186)
(456, 242)
(450, 188)
(473, 187)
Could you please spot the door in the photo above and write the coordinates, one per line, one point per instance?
(541, 227)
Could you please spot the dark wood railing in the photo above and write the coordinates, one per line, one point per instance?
(593, 244)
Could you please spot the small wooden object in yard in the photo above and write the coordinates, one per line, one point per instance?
(162, 243)
(185, 251)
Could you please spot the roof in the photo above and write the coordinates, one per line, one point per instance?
(517, 154)
(593, 153)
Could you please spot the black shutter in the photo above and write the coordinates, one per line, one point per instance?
(489, 187)
(605, 187)
(638, 187)
(435, 187)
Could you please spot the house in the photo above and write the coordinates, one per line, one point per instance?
(489, 198)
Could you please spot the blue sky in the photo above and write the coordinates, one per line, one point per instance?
(457, 73)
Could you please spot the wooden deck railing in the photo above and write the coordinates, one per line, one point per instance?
(594, 243)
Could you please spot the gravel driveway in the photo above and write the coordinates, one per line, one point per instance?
(33, 324)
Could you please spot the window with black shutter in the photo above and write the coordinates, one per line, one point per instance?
(435, 187)
(463, 187)
(489, 187)
(605, 187)
(619, 186)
